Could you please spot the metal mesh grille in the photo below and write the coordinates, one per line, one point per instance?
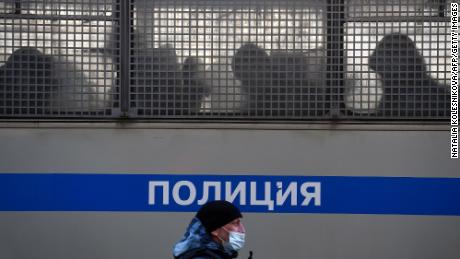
(291, 60)
(280, 60)
(228, 59)
(397, 59)
(58, 58)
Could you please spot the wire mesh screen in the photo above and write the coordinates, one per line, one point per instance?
(216, 59)
(397, 59)
(58, 58)
(245, 59)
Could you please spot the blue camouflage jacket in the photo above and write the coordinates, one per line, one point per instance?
(198, 244)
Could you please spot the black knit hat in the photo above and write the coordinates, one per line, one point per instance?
(216, 214)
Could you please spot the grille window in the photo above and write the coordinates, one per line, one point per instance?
(397, 58)
(253, 59)
(58, 58)
(270, 60)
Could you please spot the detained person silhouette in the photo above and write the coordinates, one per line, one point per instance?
(161, 86)
(26, 83)
(408, 89)
(276, 84)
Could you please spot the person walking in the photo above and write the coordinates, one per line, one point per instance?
(216, 232)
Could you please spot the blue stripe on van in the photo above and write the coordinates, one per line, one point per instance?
(130, 192)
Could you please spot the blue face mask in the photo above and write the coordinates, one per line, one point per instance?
(235, 240)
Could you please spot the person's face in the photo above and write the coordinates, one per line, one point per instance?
(222, 233)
